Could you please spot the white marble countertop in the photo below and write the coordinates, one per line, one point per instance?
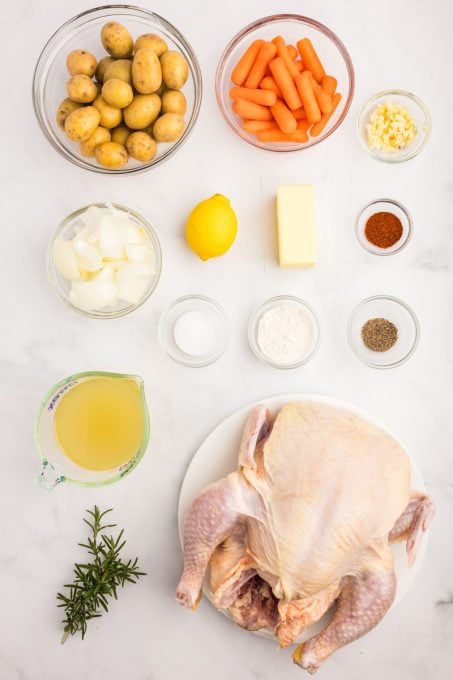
(146, 636)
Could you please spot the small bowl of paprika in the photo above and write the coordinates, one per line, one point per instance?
(384, 227)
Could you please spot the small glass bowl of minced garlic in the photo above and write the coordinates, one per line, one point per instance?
(383, 331)
(394, 126)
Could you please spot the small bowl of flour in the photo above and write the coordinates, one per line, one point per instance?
(284, 332)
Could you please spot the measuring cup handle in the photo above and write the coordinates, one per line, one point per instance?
(48, 478)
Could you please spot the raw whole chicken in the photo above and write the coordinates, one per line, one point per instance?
(305, 522)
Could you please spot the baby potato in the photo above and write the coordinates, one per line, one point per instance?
(120, 134)
(117, 93)
(175, 69)
(119, 68)
(173, 101)
(117, 40)
(169, 127)
(110, 115)
(99, 136)
(152, 40)
(66, 107)
(141, 146)
(111, 155)
(81, 123)
(81, 62)
(142, 111)
(102, 67)
(81, 89)
(146, 71)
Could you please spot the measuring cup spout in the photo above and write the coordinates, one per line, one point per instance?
(48, 478)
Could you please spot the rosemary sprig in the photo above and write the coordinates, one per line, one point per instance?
(98, 579)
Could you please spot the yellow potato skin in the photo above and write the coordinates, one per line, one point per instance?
(81, 62)
(175, 70)
(110, 115)
(142, 111)
(173, 101)
(120, 134)
(146, 71)
(102, 67)
(66, 107)
(117, 93)
(119, 68)
(81, 123)
(168, 128)
(81, 89)
(111, 155)
(141, 146)
(117, 40)
(99, 136)
(152, 40)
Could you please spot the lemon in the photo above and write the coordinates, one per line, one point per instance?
(211, 227)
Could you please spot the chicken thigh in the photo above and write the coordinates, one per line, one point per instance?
(305, 522)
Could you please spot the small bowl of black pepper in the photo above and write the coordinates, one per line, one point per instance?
(384, 226)
(383, 331)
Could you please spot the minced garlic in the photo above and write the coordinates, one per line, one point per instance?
(391, 128)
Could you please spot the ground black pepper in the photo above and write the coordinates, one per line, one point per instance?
(383, 229)
(379, 335)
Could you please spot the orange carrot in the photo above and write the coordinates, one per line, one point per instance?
(258, 125)
(329, 85)
(264, 97)
(303, 125)
(324, 100)
(310, 59)
(299, 113)
(245, 63)
(282, 52)
(283, 117)
(278, 136)
(293, 53)
(251, 110)
(319, 127)
(304, 84)
(268, 83)
(266, 53)
(285, 83)
(299, 65)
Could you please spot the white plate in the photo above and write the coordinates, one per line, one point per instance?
(218, 456)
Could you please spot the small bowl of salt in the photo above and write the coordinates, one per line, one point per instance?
(194, 331)
(284, 332)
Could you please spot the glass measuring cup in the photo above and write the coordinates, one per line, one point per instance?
(56, 466)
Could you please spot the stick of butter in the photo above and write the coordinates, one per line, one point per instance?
(296, 225)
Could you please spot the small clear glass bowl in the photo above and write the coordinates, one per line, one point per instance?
(61, 285)
(190, 303)
(292, 27)
(417, 109)
(270, 304)
(83, 32)
(384, 205)
(394, 310)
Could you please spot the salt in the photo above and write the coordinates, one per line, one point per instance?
(196, 333)
(286, 333)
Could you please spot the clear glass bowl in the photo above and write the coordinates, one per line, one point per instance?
(292, 27)
(270, 304)
(191, 303)
(417, 110)
(83, 31)
(394, 310)
(61, 285)
(384, 205)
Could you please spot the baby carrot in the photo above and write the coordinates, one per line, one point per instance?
(279, 136)
(266, 53)
(245, 63)
(268, 83)
(299, 65)
(251, 110)
(299, 113)
(319, 127)
(282, 52)
(283, 116)
(264, 97)
(304, 84)
(293, 53)
(310, 59)
(303, 125)
(285, 83)
(258, 125)
(329, 85)
(324, 100)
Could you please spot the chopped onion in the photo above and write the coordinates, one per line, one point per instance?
(65, 259)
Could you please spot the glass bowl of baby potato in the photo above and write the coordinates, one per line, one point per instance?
(117, 89)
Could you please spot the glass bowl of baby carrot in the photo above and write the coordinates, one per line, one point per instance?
(285, 82)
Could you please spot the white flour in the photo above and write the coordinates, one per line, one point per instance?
(286, 333)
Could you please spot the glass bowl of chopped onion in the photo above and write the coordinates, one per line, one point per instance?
(104, 260)
(394, 126)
